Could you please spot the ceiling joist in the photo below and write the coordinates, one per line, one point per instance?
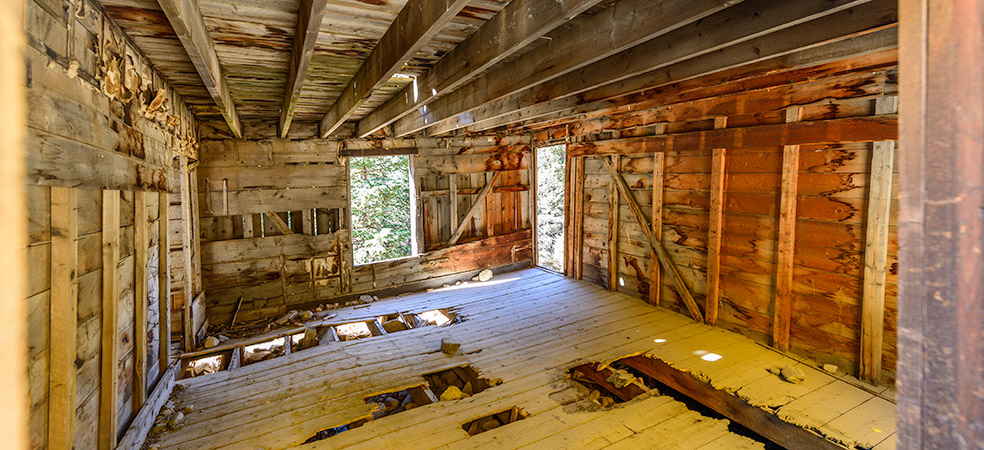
(857, 29)
(625, 25)
(417, 23)
(519, 24)
(189, 25)
(310, 14)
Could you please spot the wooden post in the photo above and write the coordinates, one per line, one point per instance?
(655, 278)
(63, 328)
(579, 219)
(140, 242)
(715, 224)
(164, 284)
(876, 250)
(532, 208)
(109, 360)
(941, 225)
(489, 206)
(613, 205)
(453, 196)
(787, 237)
(307, 222)
(416, 208)
(187, 326)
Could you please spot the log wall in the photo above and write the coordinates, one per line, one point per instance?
(99, 159)
(727, 235)
(303, 255)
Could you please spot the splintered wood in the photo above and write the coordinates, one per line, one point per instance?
(523, 365)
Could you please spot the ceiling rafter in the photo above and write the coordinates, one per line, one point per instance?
(625, 25)
(416, 24)
(310, 14)
(606, 79)
(189, 25)
(519, 24)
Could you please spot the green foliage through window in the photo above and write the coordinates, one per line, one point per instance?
(380, 208)
(550, 163)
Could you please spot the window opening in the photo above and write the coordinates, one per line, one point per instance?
(380, 198)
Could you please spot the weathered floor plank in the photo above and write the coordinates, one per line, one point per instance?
(527, 328)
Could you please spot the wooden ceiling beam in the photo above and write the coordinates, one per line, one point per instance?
(519, 24)
(643, 67)
(310, 14)
(610, 98)
(625, 25)
(189, 25)
(418, 22)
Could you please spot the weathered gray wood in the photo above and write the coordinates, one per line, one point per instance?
(136, 434)
(417, 23)
(876, 250)
(519, 24)
(478, 202)
(310, 14)
(189, 25)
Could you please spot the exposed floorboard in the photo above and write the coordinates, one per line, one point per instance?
(526, 328)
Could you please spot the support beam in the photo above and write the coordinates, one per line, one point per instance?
(627, 24)
(828, 38)
(759, 420)
(453, 194)
(187, 328)
(189, 25)
(310, 14)
(141, 240)
(673, 36)
(519, 24)
(490, 217)
(876, 250)
(163, 283)
(655, 277)
(787, 238)
(613, 206)
(109, 358)
(479, 201)
(941, 225)
(833, 131)
(661, 253)
(579, 219)
(714, 229)
(418, 22)
(279, 223)
(63, 327)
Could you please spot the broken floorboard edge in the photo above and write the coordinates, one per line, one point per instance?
(388, 292)
(138, 430)
(759, 420)
(417, 286)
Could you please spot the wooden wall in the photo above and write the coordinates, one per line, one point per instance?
(99, 156)
(275, 220)
(720, 156)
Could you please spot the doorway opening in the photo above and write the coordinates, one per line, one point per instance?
(380, 191)
(550, 207)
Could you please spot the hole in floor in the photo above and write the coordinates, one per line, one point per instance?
(264, 350)
(458, 382)
(461, 379)
(205, 366)
(387, 404)
(353, 331)
(606, 385)
(619, 382)
(493, 421)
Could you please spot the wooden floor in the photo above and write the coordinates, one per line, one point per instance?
(527, 328)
